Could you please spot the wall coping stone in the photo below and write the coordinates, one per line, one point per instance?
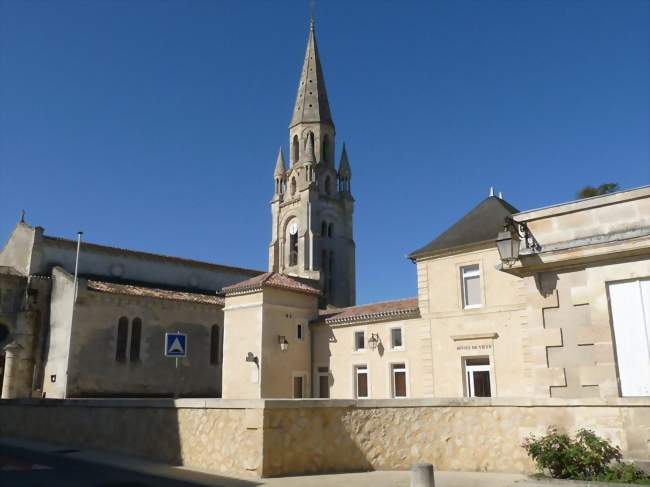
(212, 403)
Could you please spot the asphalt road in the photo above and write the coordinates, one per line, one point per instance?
(25, 468)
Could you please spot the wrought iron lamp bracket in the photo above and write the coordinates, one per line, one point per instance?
(522, 230)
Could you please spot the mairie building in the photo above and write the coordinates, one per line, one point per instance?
(544, 303)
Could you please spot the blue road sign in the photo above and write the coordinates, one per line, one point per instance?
(175, 344)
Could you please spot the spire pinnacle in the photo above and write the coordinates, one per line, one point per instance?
(344, 166)
(308, 155)
(279, 165)
(311, 101)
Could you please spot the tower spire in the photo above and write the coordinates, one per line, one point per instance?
(311, 101)
(279, 165)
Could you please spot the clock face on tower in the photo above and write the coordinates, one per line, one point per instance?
(293, 228)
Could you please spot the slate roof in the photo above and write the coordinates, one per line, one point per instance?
(400, 308)
(271, 279)
(481, 224)
(150, 292)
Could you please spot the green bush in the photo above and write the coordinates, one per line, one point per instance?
(584, 457)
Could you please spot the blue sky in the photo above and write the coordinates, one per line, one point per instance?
(154, 125)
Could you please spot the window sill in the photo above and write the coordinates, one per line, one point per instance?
(473, 306)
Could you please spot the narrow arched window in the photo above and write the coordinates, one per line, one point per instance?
(330, 272)
(324, 270)
(326, 148)
(293, 249)
(323, 229)
(295, 150)
(328, 185)
(122, 335)
(136, 334)
(329, 230)
(215, 353)
(293, 186)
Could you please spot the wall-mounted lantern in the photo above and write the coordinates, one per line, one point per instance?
(373, 341)
(509, 241)
(284, 344)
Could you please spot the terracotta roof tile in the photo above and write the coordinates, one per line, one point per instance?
(271, 279)
(149, 292)
(400, 308)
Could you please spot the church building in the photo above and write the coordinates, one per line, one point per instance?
(543, 303)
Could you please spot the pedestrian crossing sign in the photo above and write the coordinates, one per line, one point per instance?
(175, 344)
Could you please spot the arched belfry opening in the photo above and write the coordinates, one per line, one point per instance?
(295, 150)
(325, 149)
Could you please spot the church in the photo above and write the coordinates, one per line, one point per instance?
(543, 303)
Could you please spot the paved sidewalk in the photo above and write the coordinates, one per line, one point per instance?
(192, 477)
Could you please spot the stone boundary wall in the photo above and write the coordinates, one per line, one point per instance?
(255, 438)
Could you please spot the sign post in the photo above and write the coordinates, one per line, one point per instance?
(176, 347)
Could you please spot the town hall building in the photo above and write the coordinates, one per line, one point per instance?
(543, 303)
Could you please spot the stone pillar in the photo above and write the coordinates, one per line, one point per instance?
(422, 475)
(19, 357)
(12, 360)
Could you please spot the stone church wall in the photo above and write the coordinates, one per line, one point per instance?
(256, 438)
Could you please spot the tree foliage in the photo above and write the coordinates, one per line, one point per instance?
(605, 188)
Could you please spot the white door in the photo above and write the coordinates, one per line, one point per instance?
(630, 306)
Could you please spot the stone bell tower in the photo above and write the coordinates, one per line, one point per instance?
(312, 204)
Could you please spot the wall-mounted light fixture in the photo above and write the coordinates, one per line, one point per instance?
(509, 241)
(251, 358)
(284, 344)
(373, 341)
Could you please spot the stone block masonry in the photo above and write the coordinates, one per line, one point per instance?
(263, 438)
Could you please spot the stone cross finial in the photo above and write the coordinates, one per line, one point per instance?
(22, 216)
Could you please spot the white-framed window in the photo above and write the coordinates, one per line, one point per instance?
(299, 332)
(359, 340)
(323, 382)
(398, 380)
(361, 383)
(477, 377)
(298, 385)
(629, 303)
(471, 286)
(396, 339)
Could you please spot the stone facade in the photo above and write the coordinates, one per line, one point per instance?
(61, 340)
(258, 438)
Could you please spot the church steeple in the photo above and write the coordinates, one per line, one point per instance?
(311, 101)
(312, 206)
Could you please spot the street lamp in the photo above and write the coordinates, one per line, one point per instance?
(284, 344)
(508, 246)
(509, 241)
(373, 341)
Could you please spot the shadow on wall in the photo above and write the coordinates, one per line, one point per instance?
(210, 439)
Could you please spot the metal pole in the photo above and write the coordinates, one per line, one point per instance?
(176, 380)
(76, 263)
(74, 301)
